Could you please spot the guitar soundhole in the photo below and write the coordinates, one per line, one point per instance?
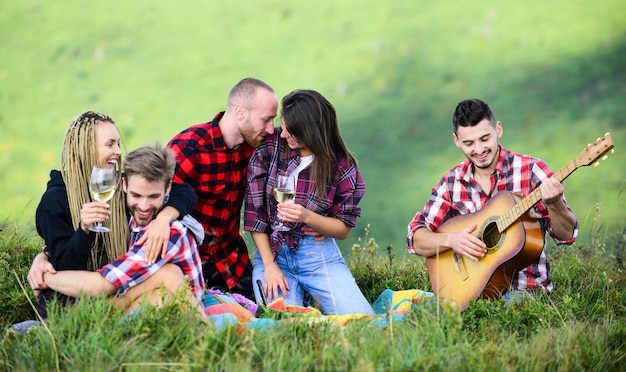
(491, 236)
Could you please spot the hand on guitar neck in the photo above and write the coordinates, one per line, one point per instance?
(563, 221)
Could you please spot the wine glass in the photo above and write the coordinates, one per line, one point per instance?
(102, 186)
(284, 192)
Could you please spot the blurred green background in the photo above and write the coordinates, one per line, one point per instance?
(553, 72)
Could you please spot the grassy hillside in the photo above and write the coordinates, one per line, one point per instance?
(552, 72)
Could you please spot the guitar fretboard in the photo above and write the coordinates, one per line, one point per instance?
(516, 212)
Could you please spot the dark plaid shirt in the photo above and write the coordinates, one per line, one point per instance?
(218, 175)
(341, 201)
(458, 193)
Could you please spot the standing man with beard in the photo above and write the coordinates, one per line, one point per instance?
(213, 158)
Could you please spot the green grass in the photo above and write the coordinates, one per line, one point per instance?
(553, 73)
(581, 326)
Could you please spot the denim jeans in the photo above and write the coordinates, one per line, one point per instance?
(318, 268)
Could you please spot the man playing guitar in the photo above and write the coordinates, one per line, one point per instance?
(468, 187)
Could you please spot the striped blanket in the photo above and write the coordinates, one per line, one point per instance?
(226, 310)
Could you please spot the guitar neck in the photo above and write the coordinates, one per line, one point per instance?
(515, 213)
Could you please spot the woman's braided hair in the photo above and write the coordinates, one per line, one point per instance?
(78, 156)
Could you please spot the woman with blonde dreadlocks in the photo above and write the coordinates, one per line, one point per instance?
(66, 211)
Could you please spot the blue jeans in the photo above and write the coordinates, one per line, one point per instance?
(318, 268)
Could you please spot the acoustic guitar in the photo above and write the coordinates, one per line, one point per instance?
(512, 234)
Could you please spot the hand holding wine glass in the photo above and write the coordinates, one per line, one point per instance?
(102, 185)
(284, 192)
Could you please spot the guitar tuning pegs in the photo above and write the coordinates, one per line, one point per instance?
(595, 164)
(605, 157)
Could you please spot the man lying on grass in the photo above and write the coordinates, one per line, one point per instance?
(148, 172)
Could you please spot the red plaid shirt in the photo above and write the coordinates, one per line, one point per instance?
(130, 269)
(218, 175)
(458, 193)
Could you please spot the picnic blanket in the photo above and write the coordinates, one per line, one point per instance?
(225, 310)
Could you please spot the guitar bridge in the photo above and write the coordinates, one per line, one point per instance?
(459, 266)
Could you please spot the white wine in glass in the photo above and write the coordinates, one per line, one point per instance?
(284, 192)
(102, 185)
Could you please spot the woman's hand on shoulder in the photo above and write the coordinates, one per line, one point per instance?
(156, 238)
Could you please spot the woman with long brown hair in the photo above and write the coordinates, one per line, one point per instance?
(328, 188)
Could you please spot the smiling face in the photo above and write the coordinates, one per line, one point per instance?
(144, 198)
(479, 143)
(109, 148)
(292, 142)
(259, 117)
